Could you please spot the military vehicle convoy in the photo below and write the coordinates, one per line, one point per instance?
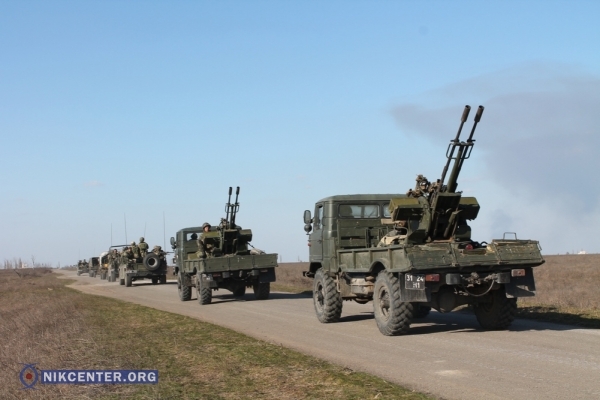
(410, 253)
(212, 258)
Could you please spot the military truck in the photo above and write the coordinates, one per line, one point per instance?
(152, 266)
(94, 264)
(82, 267)
(412, 252)
(232, 263)
(104, 264)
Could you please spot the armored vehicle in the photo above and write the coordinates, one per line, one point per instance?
(152, 266)
(83, 267)
(410, 253)
(212, 258)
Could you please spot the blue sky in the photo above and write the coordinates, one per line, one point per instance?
(142, 109)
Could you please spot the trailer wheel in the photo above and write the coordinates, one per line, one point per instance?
(326, 298)
(393, 316)
(497, 314)
(420, 311)
(185, 292)
(240, 291)
(121, 281)
(261, 290)
(128, 281)
(204, 293)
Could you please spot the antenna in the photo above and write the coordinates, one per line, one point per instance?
(111, 234)
(144, 229)
(164, 233)
(125, 218)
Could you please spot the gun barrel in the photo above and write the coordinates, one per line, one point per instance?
(235, 206)
(463, 153)
(454, 143)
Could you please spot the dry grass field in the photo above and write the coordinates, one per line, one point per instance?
(55, 327)
(568, 288)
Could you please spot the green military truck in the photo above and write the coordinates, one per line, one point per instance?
(83, 267)
(232, 264)
(152, 266)
(412, 252)
(94, 265)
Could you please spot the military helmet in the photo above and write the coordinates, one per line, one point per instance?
(133, 243)
(141, 239)
(204, 225)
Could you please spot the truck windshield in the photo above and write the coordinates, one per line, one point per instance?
(359, 211)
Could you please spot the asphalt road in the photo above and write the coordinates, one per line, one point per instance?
(446, 355)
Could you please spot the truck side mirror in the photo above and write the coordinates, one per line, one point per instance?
(173, 244)
(307, 217)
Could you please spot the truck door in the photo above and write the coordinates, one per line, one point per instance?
(316, 237)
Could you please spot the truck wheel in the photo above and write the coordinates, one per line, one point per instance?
(128, 281)
(497, 314)
(154, 281)
(204, 293)
(392, 315)
(113, 276)
(78, 273)
(240, 291)
(185, 292)
(420, 311)
(326, 298)
(261, 290)
(163, 279)
(121, 281)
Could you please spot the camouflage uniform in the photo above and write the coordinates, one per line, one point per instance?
(143, 247)
(135, 250)
(126, 255)
(205, 245)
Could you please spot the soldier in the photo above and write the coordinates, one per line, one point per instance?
(126, 255)
(205, 245)
(395, 235)
(158, 251)
(143, 246)
(135, 250)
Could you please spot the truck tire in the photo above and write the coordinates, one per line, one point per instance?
(78, 273)
(113, 276)
(154, 280)
(393, 316)
(241, 291)
(261, 290)
(128, 281)
(497, 314)
(121, 281)
(151, 261)
(326, 298)
(185, 292)
(204, 293)
(420, 311)
(163, 279)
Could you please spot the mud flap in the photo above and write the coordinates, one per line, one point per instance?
(211, 283)
(413, 295)
(521, 286)
(268, 276)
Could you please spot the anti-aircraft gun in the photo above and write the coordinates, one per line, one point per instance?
(221, 257)
(413, 252)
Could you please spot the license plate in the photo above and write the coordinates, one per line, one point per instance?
(414, 282)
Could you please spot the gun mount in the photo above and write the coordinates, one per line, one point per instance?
(434, 211)
(233, 240)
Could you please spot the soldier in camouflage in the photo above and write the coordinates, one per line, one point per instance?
(143, 247)
(205, 245)
(135, 250)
